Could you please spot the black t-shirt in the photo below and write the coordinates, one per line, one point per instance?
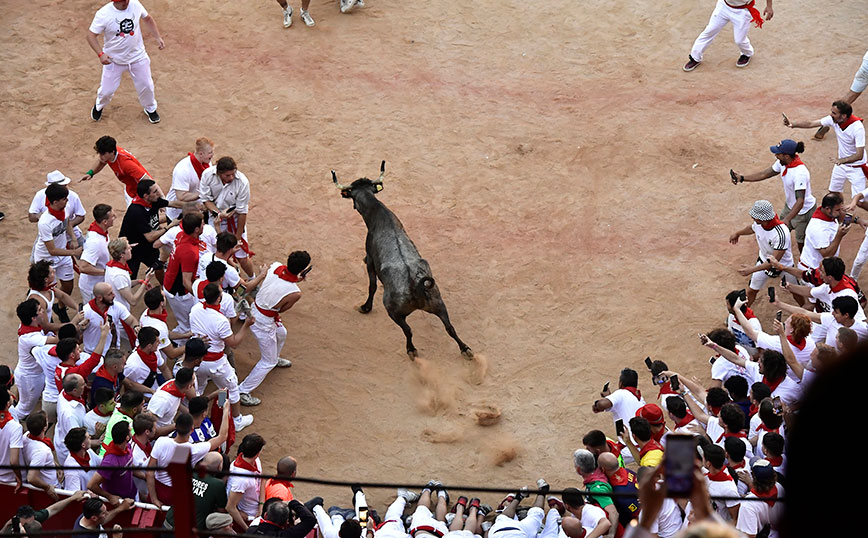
(209, 495)
(138, 221)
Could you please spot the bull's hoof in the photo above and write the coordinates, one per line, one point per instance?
(412, 354)
(364, 309)
(468, 354)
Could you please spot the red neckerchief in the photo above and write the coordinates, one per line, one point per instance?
(754, 409)
(232, 227)
(737, 465)
(763, 427)
(200, 289)
(93, 307)
(7, 417)
(71, 398)
(658, 435)
(740, 435)
(649, 446)
(150, 359)
(768, 495)
(596, 476)
(770, 224)
(714, 411)
(146, 447)
(169, 386)
(212, 306)
(103, 373)
(748, 313)
(665, 388)
(796, 162)
(614, 448)
(776, 462)
(198, 167)
(846, 283)
(45, 440)
(621, 477)
(801, 345)
(162, 316)
(59, 215)
(772, 385)
(241, 463)
(138, 200)
(94, 227)
(99, 413)
(113, 448)
(818, 214)
(843, 125)
(119, 265)
(634, 391)
(27, 329)
(284, 274)
(685, 421)
(720, 476)
(84, 462)
(755, 16)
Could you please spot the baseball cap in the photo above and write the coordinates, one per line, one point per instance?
(217, 521)
(651, 412)
(762, 470)
(762, 210)
(57, 177)
(786, 146)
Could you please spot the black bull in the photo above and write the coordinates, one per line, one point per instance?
(391, 256)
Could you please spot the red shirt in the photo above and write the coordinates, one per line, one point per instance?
(185, 259)
(129, 171)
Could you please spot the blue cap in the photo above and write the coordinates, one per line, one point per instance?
(786, 146)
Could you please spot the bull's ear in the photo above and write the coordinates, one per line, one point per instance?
(379, 187)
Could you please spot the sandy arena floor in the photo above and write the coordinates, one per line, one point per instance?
(565, 179)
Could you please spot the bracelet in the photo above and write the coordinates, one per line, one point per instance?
(101, 54)
(90, 173)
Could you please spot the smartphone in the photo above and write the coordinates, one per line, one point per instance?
(711, 360)
(776, 405)
(771, 294)
(231, 209)
(619, 427)
(648, 362)
(221, 398)
(778, 315)
(678, 461)
(848, 219)
(742, 295)
(304, 272)
(606, 387)
(673, 382)
(703, 339)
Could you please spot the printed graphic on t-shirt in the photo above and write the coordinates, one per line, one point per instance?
(126, 27)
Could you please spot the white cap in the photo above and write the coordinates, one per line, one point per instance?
(57, 177)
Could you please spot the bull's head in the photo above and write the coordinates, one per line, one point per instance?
(346, 191)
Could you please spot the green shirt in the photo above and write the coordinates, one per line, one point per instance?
(600, 487)
(116, 417)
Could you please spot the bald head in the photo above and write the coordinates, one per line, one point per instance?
(212, 461)
(286, 466)
(608, 462)
(102, 289)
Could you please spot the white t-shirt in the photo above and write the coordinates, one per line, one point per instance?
(210, 324)
(164, 406)
(248, 485)
(27, 363)
(122, 32)
(184, 179)
(162, 328)
(768, 241)
(92, 418)
(722, 369)
(164, 449)
(624, 405)
(115, 314)
(207, 239)
(137, 371)
(37, 454)
(230, 279)
(767, 341)
(796, 179)
(227, 303)
(754, 515)
(70, 414)
(74, 207)
(668, 521)
(11, 436)
(77, 479)
(119, 278)
(95, 253)
(818, 234)
(849, 139)
(50, 229)
(725, 488)
(825, 295)
(755, 430)
(140, 459)
(736, 329)
(591, 516)
(830, 326)
(789, 389)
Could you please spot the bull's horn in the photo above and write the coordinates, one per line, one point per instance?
(335, 180)
(382, 172)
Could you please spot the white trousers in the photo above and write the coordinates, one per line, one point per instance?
(722, 14)
(861, 258)
(553, 524)
(328, 526)
(393, 525)
(181, 306)
(223, 375)
(30, 388)
(271, 338)
(139, 71)
(507, 527)
(842, 173)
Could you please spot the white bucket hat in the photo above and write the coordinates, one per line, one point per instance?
(57, 177)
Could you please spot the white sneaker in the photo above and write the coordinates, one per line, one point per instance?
(305, 16)
(360, 3)
(347, 5)
(248, 400)
(287, 17)
(283, 363)
(242, 421)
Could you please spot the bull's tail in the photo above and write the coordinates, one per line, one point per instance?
(425, 284)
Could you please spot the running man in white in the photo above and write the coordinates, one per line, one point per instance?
(741, 13)
(851, 162)
(277, 293)
(860, 82)
(773, 240)
(187, 174)
(119, 22)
